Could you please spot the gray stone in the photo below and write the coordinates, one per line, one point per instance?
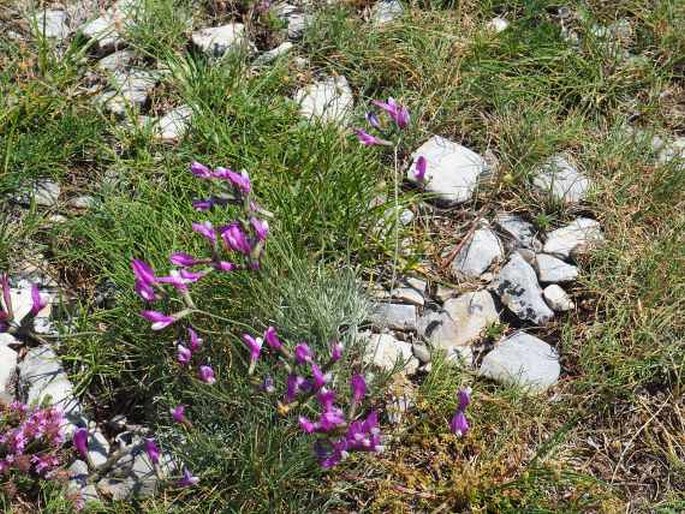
(553, 270)
(561, 180)
(107, 30)
(421, 352)
(273, 54)
(576, 237)
(521, 234)
(216, 41)
(118, 61)
(89, 494)
(41, 375)
(78, 472)
(386, 352)
(45, 192)
(395, 316)
(116, 488)
(443, 293)
(497, 25)
(518, 287)
(673, 150)
(386, 11)
(453, 172)
(295, 20)
(174, 124)
(329, 100)
(477, 254)
(98, 448)
(416, 283)
(408, 295)
(82, 202)
(522, 360)
(557, 298)
(8, 367)
(52, 24)
(132, 88)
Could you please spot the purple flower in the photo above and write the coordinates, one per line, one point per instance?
(38, 302)
(159, 320)
(367, 139)
(326, 398)
(206, 230)
(260, 227)
(331, 419)
(464, 397)
(303, 353)
(145, 291)
(268, 385)
(254, 345)
(80, 440)
(200, 170)
(188, 479)
(358, 386)
(152, 450)
(398, 113)
(143, 272)
(195, 340)
(271, 338)
(328, 453)
(306, 425)
(459, 425)
(206, 374)
(241, 181)
(182, 259)
(319, 379)
(5, 284)
(336, 351)
(373, 120)
(235, 239)
(293, 385)
(180, 279)
(224, 266)
(184, 355)
(178, 413)
(203, 204)
(364, 435)
(420, 169)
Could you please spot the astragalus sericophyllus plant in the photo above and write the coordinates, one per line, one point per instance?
(235, 246)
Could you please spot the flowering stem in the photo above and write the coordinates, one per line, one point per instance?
(396, 192)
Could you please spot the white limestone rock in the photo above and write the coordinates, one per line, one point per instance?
(108, 30)
(395, 316)
(553, 270)
(82, 202)
(477, 254)
(329, 100)
(385, 11)
(216, 41)
(387, 352)
(8, 368)
(174, 124)
(524, 361)
(557, 298)
(453, 172)
(273, 54)
(52, 24)
(46, 193)
(518, 288)
(118, 61)
(497, 25)
(576, 237)
(520, 233)
(559, 178)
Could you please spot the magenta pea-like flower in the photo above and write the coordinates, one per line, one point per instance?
(260, 227)
(336, 351)
(195, 341)
(152, 450)
(38, 301)
(200, 170)
(367, 139)
(203, 204)
(271, 338)
(188, 479)
(319, 378)
(398, 113)
(420, 169)
(303, 353)
(307, 426)
(224, 266)
(268, 384)
(241, 181)
(373, 120)
(464, 398)
(182, 259)
(183, 355)
(80, 441)
(206, 374)
(459, 425)
(236, 239)
(293, 385)
(206, 230)
(254, 345)
(159, 320)
(358, 387)
(178, 413)
(143, 271)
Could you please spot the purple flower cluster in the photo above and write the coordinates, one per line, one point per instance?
(459, 424)
(7, 321)
(338, 432)
(397, 114)
(30, 439)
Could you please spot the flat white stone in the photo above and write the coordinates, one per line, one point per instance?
(174, 124)
(216, 41)
(46, 192)
(52, 24)
(520, 232)
(98, 448)
(386, 352)
(132, 88)
(417, 283)
(82, 202)
(518, 287)
(561, 180)
(524, 361)
(118, 61)
(443, 293)
(452, 170)
(497, 24)
(408, 295)
(553, 270)
(273, 54)
(329, 101)
(557, 298)
(106, 30)
(578, 236)
(8, 368)
(477, 254)
(395, 316)
(386, 11)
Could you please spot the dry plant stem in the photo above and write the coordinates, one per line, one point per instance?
(396, 192)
